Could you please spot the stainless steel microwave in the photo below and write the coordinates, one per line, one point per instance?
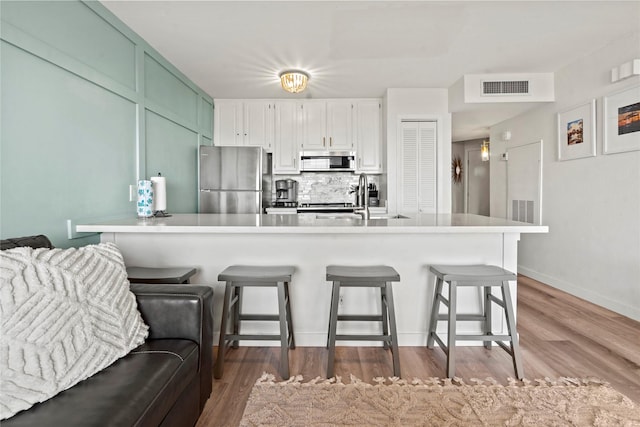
(327, 161)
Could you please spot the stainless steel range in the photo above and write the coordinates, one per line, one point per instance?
(325, 207)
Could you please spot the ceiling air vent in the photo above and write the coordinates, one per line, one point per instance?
(514, 87)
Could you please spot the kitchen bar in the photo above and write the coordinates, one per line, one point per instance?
(211, 242)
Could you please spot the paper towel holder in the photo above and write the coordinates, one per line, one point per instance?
(162, 213)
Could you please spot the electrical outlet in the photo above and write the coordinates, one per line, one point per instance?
(341, 300)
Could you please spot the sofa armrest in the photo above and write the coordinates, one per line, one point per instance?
(181, 311)
(39, 241)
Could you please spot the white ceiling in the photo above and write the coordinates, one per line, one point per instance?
(235, 49)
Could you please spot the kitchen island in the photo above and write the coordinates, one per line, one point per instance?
(310, 242)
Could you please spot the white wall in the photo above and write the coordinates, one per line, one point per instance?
(591, 205)
(428, 104)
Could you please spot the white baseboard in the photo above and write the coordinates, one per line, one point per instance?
(593, 297)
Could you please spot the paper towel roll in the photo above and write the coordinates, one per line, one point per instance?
(145, 198)
(159, 193)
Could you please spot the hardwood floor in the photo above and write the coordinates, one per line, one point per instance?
(560, 335)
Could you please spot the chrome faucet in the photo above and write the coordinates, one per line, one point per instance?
(363, 197)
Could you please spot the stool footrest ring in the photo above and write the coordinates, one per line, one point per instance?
(487, 337)
(273, 317)
(463, 317)
(360, 317)
(263, 337)
(363, 338)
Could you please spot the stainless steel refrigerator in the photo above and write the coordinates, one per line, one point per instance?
(232, 179)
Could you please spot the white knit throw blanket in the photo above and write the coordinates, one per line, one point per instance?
(66, 314)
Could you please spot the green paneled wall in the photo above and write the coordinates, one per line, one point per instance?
(176, 161)
(62, 24)
(49, 161)
(168, 91)
(75, 130)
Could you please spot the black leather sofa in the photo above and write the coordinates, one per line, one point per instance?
(164, 382)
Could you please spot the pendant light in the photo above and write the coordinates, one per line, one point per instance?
(484, 151)
(294, 81)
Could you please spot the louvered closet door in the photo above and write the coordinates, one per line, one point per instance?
(418, 157)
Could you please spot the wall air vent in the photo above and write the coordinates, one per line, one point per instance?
(500, 87)
(514, 87)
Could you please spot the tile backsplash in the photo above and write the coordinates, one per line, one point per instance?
(330, 187)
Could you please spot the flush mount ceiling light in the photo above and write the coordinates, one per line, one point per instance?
(294, 81)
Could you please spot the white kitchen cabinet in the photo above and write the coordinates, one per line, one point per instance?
(368, 136)
(326, 125)
(227, 122)
(313, 115)
(244, 122)
(417, 175)
(286, 151)
(340, 124)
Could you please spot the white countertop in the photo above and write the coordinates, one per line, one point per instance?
(309, 224)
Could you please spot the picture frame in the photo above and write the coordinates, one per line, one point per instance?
(577, 132)
(621, 121)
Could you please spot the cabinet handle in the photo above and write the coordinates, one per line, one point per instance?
(330, 142)
(294, 162)
(323, 141)
(359, 162)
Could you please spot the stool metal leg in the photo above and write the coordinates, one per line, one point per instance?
(237, 312)
(292, 339)
(330, 311)
(219, 365)
(284, 346)
(487, 315)
(333, 323)
(511, 326)
(392, 325)
(435, 308)
(451, 352)
(384, 311)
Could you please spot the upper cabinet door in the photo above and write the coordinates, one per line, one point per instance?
(258, 124)
(340, 125)
(368, 136)
(314, 125)
(286, 152)
(227, 123)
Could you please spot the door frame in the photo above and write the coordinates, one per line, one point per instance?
(509, 212)
(466, 177)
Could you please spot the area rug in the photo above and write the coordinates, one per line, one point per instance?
(437, 402)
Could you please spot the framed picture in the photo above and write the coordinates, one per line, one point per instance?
(577, 132)
(621, 121)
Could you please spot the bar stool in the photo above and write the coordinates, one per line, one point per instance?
(239, 276)
(485, 276)
(378, 276)
(176, 275)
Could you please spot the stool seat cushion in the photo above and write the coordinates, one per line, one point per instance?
(472, 273)
(159, 274)
(369, 273)
(255, 273)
